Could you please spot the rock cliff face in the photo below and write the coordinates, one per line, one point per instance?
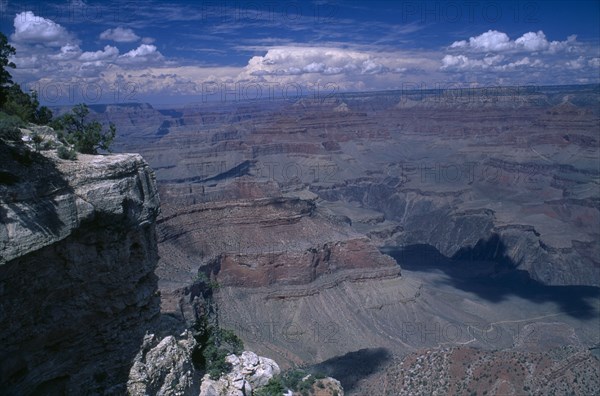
(77, 259)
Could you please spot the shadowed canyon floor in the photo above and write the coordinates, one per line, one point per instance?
(362, 231)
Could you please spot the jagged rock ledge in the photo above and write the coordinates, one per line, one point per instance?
(59, 196)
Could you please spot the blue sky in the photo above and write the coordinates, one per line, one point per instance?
(167, 52)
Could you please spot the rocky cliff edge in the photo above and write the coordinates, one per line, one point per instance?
(48, 199)
(77, 259)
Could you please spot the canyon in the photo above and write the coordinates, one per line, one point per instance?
(391, 240)
(370, 225)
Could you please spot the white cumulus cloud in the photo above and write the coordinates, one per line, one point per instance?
(568, 45)
(314, 67)
(495, 41)
(120, 35)
(578, 63)
(109, 52)
(145, 53)
(142, 50)
(321, 60)
(347, 68)
(32, 29)
(371, 67)
(464, 62)
(67, 52)
(492, 40)
(533, 41)
(494, 55)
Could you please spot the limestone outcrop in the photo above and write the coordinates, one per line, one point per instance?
(163, 367)
(249, 371)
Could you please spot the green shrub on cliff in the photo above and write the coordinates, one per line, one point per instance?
(202, 278)
(87, 137)
(228, 337)
(215, 349)
(9, 127)
(273, 388)
(13, 100)
(26, 106)
(66, 153)
(295, 379)
(6, 51)
(214, 344)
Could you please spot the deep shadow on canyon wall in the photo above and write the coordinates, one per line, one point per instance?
(75, 313)
(350, 368)
(487, 271)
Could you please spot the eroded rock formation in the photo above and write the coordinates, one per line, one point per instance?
(249, 371)
(164, 367)
(77, 258)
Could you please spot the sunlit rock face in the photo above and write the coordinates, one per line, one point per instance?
(77, 258)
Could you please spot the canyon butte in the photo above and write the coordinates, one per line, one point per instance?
(423, 242)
